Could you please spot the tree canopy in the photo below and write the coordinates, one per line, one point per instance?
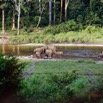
(42, 13)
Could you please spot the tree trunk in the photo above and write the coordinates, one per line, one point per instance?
(13, 25)
(40, 11)
(65, 10)
(65, 15)
(66, 6)
(50, 11)
(61, 7)
(54, 12)
(18, 18)
(18, 24)
(3, 21)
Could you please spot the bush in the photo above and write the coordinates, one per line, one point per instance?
(70, 25)
(48, 88)
(10, 70)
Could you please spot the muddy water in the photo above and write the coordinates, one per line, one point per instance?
(70, 52)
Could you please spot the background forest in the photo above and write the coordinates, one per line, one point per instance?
(50, 17)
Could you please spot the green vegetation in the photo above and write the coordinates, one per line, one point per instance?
(67, 66)
(91, 34)
(59, 82)
(10, 72)
(47, 89)
(72, 21)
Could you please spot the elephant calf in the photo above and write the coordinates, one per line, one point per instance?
(59, 53)
(50, 53)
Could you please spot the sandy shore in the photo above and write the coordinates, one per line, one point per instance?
(60, 44)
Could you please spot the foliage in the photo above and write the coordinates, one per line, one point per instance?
(10, 71)
(70, 25)
(80, 11)
(47, 88)
(91, 34)
(61, 81)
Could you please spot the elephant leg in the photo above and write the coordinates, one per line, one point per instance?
(38, 55)
(50, 56)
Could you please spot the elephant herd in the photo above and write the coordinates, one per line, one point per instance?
(47, 51)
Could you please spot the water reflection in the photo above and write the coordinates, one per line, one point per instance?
(14, 49)
(69, 51)
(10, 49)
(18, 50)
(3, 48)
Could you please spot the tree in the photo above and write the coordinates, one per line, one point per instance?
(66, 6)
(42, 5)
(50, 12)
(2, 6)
(18, 4)
(18, 9)
(13, 18)
(61, 8)
(54, 13)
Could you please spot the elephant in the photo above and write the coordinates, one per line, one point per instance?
(59, 53)
(38, 55)
(49, 53)
(39, 51)
(47, 50)
(52, 47)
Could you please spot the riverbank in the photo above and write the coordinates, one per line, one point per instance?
(88, 35)
(30, 58)
(61, 44)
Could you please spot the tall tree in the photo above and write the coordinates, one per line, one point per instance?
(3, 20)
(18, 9)
(42, 5)
(66, 6)
(2, 6)
(18, 4)
(61, 8)
(13, 19)
(50, 12)
(54, 13)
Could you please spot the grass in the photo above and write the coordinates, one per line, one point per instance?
(67, 66)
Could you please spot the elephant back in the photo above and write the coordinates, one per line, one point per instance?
(52, 47)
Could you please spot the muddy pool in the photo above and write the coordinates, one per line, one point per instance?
(70, 52)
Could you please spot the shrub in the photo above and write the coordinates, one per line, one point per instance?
(48, 88)
(10, 70)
